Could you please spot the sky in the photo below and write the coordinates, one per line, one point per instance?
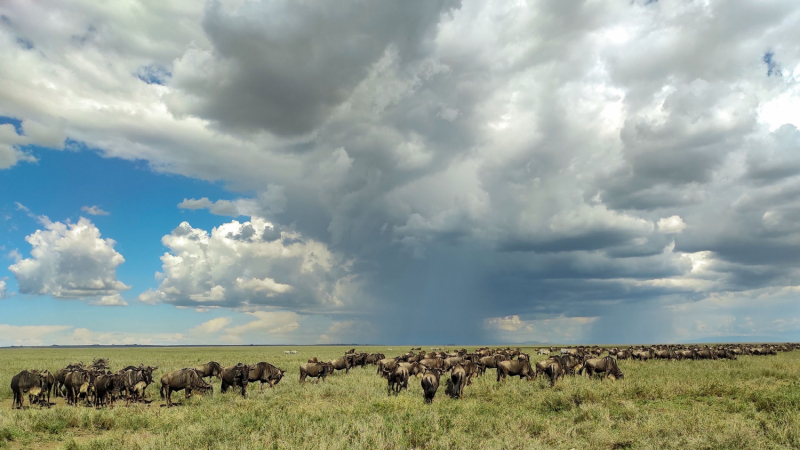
(416, 172)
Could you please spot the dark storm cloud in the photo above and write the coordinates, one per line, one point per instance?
(284, 66)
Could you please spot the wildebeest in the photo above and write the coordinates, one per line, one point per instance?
(209, 369)
(491, 362)
(343, 363)
(235, 376)
(554, 371)
(79, 383)
(265, 373)
(105, 386)
(25, 382)
(59, 378)
(603, 366)
(514, 368)
(414, 368)
(430, 384)
(48, 381)
(183, 379)
(136, 380)
(397, 379)
(315, 370)
(458, 377)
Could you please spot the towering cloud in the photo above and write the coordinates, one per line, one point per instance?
(71, 260)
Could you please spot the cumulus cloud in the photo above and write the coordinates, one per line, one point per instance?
(109, 300)
(48, 134)
(250, 263)
(2, 289)
(71, 260)
(267, 324)
(94, 211)
(671, 225)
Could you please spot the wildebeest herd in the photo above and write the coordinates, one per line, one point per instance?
(97, 385)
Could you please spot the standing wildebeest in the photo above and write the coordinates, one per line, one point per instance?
(514, 368)
(315, 370)
(414, 368)
(491, 362)
(430, 383)
(265, 373)
(105, 386)
(60, 375)
(607, 366)
(398, 379)
(25, 382)
(341, 363)
(79, 383)
(350, 352)
(183, 379)
(235, 376)
(48, 381)
(554, 370)
(458, 378)
(136, 380)
(209, 369)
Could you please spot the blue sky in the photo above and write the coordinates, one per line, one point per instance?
(448, 171)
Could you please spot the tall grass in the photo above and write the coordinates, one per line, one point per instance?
(750, 403)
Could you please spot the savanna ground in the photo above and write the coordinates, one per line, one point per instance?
(750, 403)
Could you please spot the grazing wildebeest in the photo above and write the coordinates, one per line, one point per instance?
(105, 386)
(397, 379)
(434, 363)
(458, 377)
(209, 369)
(25, 382)
(414, 368)
(235, 376)
(603, 366)
(136, 380)
(430, 383)
(183, 379)
(514, 368)
(554, 370)
(315, 370)
(265, 373)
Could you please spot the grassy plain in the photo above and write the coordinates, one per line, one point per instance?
(750, 403)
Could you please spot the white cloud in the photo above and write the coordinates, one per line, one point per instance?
(249, 263)
(211, 326)
(267, 323)
(28, 334)
(272, 201)
(671, 225)
(94, 211)
(110, 300)
(2, 289)
(150, 297)
(70, 261)
(559, 329)
(33, 133)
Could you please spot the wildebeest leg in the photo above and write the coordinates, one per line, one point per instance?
(168, 394)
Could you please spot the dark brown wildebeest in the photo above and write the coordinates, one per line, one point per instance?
(235, 376)
(78, 383)
(705, 353)
(209, 369)
(105, 386)
(623, 354)
(183, 379)
(59, 376)
(265, 373)
(48, 381)
(414, 368)
(663, 354)
(136, 380)
(374, 358)
(397, 379)
(514, 368)
(25, 382)
(458, 378)
(602, 366)
(554, 370)
(450, 361)
(342, 363)
(350, 352)
(491, 362)
(433, 363)
(430, 383)
(315, 370)
(387, 363)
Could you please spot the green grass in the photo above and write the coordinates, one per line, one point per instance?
(750, 403)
